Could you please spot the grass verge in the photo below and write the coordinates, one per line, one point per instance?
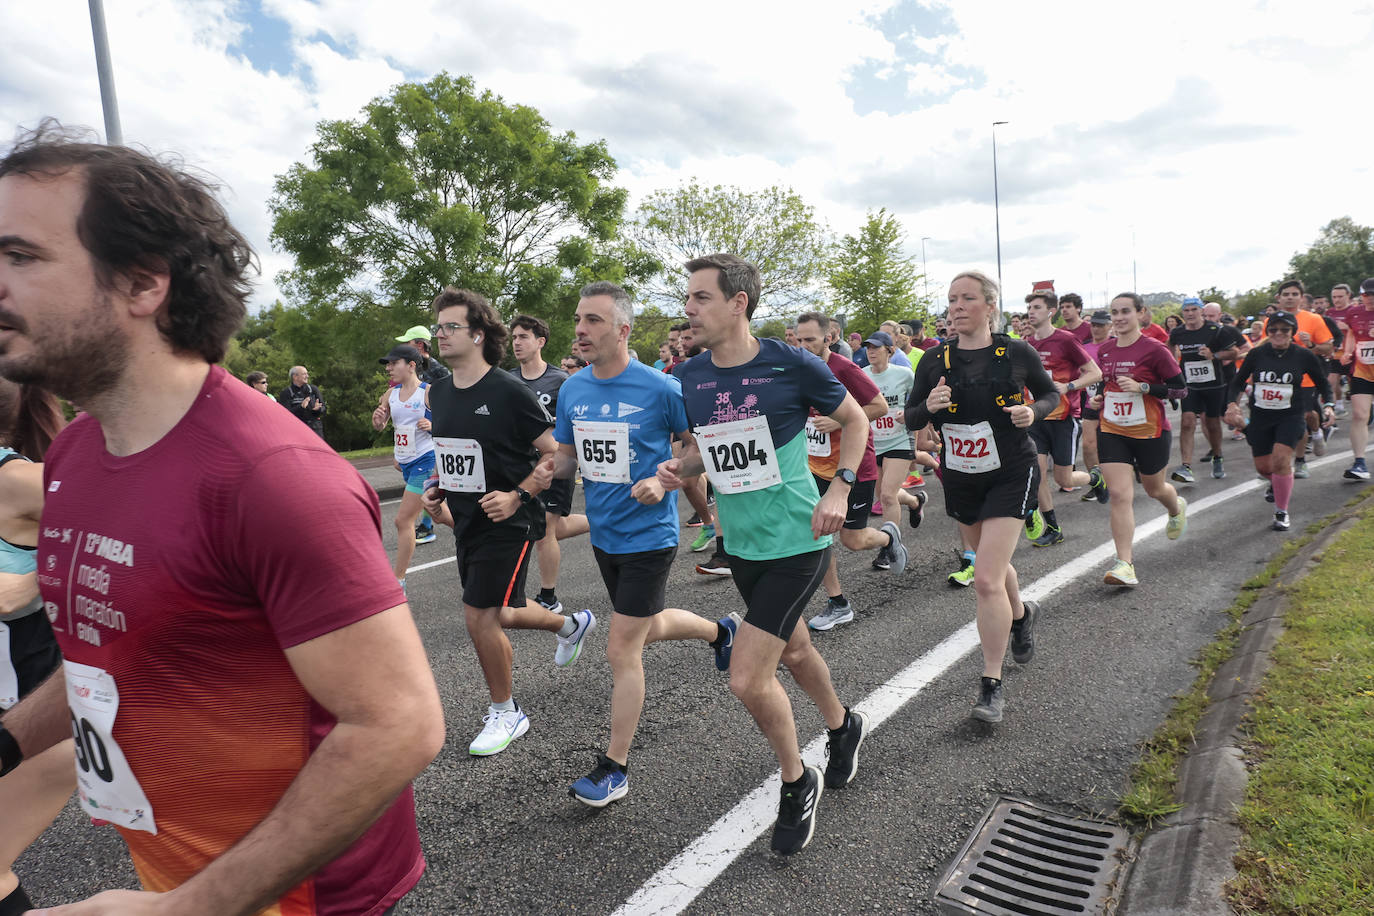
(1308, 817)
(378, 452)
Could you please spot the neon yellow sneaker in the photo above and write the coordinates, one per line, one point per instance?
(1122, 573)
(1035, 525)
(1178, 523)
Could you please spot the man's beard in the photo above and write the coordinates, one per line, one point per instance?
(80, 366)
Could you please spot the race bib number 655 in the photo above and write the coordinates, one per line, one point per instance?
(603, 450)
(739, 455)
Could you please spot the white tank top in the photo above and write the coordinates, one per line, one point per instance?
(409, 441)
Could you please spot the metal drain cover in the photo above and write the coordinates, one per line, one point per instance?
(1027, 860)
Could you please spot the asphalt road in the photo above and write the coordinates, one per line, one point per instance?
(502, 836)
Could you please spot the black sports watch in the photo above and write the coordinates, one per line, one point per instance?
(525, 497)
(846, 475)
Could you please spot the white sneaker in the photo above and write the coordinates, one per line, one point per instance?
(499, 729)
(570, 647)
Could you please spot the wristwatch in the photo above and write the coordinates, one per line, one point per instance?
(846, 475)
(525, 497)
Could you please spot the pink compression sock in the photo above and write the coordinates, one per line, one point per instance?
(1283, 490)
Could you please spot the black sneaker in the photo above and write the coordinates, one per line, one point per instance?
(1023, 634)
(914, 516)
(990, 701)
(694, 521)
(797, 814)
(1280, 521)
(1052, 536)
(1269, 494)
(842, 750)
(1097, 487)
(883, 560)
(718, 565)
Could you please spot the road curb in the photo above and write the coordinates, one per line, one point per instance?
(1183, 866)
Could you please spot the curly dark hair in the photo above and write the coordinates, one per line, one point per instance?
(481, 316)
(142, 213)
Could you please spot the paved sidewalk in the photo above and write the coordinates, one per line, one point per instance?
(382, 475)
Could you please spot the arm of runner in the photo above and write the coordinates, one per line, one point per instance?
(918, 413)
(500, 505)
(1316, 372)
(381, 414)
(21, 490)
(1089, 373)
(17, 591)
(674, 471)
(42, 718)
(435, 504)
(830, 512)
(373, 676)
(1041, 386)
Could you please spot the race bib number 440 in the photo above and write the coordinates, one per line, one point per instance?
(460, 467)
(739, 456)
(107, 785)
(603, 450)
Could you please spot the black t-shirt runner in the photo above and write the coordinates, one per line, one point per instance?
(504, 418)
(1199, 372)
(545, 387)
(1277, 379)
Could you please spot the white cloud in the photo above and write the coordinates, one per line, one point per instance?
(1223, 134)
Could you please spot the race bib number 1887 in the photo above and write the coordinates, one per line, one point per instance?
(460, 466)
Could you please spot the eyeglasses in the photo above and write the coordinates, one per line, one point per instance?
(447, 329)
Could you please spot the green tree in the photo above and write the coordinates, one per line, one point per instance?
(774, 228)
(872, 279)
(650, 330)
(1215, 294)
(440, 183)
(1341, 254)
(1253, 302)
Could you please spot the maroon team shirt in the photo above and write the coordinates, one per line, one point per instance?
(1064, 357)
(181, 574)
(1083, 333)
(862, 387)
(1146, 360)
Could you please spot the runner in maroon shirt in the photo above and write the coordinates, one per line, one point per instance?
(1071, 312)
(251, 693)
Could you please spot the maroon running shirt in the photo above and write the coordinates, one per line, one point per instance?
(174, 579)
(859, 384)
(1064, 357)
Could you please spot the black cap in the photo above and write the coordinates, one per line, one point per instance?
(1367, 287)
(405, 352)
(1287, 319)
(1100, 317)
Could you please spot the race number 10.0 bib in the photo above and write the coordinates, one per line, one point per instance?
(970, 447)
(603, 450)
(404, 437)
(739, 455)
(1124, 408)
(1200, 372)
(107, 786)
(1364, 352)
(1273, 397)
(459, 462)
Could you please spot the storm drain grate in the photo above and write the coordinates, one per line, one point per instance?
(1027, 860)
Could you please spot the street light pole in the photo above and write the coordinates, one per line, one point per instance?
(996, 205)
(925, 272)
(105, 70)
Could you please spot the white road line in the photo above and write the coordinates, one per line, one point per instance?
(691, 871)
(430, 565)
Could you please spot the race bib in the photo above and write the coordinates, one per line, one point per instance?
(404, 437)
(9, 678)
(459, 462)
(1124, 408)
(739, 455)
(1364, 352)
(817, 442)
(603, 450)
(970, 448)
(1200, 372)
(1273, 397)
(107, 786)
(887, 425)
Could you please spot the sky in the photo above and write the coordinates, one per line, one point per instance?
(1175, 145)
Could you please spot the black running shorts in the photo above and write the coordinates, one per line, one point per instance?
(860, 502)
(558, 497)
(1057, 438)
(1264, 433)
(1210, 402)
(636, 582)
(1009, 492)
(896, 454)
(1149, 456)
(492, 568)
(1361, 385)
(1090, 413)
(776, 591)
(33, 650)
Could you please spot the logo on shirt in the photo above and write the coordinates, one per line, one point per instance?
(627, 409)
(605, 410)
(580, 410)
(482, 411)
(759, 381)
(726, 412)
(52, 487)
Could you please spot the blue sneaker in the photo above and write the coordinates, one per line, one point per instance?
(731, 624)
(603, 785)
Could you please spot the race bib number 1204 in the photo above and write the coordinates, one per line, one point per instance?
(739, 455)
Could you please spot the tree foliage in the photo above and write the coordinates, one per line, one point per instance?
(440, 183)
(872, 279)
(1341, 254)
(774, 228)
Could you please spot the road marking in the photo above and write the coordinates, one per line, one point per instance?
(691, 871)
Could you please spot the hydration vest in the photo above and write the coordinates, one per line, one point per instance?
(996, 389)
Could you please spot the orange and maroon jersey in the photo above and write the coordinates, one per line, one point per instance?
(180, 574)
(1360, 322)
(1064, 357)
(1146, 360)
(860, 384)
(1154, 332)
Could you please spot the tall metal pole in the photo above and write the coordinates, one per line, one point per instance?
(1135, 284)
(996, 204)
(105, 70)
(925, 272)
